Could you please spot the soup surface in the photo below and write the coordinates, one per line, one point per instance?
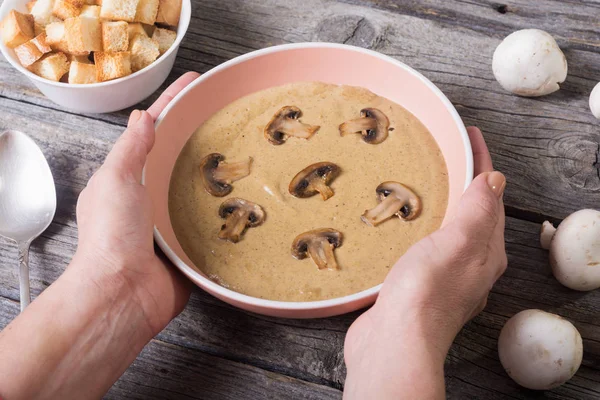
(261, 264)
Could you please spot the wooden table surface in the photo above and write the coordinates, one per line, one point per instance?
(547, 147)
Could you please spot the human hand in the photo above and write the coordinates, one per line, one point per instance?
(115, 221)
(431, 292)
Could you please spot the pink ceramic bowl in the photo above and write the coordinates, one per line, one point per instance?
(279, 65)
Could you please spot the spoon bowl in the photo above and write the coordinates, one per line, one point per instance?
(27, 197)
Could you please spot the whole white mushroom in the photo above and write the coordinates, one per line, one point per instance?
(540, 350)
(529, 63)
(595, 101)
(575, 249)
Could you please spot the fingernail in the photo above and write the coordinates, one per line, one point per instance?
(497, 182)
(134, 117)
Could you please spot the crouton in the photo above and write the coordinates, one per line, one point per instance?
(84, 34)
(55, 37)
(16, 28)
(165, 39)
(143, 52)
(79, 59)
(149, 29)
(42, 12)
(30, 6)
(38, 29)
(136, 29)
(52, 66)
(91, 2)
(90, 11)
(169, 12)
(146, 11)
(115, 36)
(82, 73)
(112, 65)
(120, 10)
(31, 51)
(65, 9)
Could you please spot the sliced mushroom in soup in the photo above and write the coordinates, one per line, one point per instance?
(373, 125)
(239, 215)
(395, 199)
(217, 175)
(314, 179)
(286, 123)
(319, 244)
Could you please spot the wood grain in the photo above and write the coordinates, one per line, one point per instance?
(548, 148)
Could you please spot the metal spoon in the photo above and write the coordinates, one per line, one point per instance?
(27, 198)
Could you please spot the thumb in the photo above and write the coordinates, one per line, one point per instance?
(480, 207)
(128, 155)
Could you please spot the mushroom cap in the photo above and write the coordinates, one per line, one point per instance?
(207, 167)
(300, 244)
(256, 214)
(413, 207)
(539, 350)
(373, 125)
(595, 101)
(274, 129)
(301, 186)
(575, 251)
(529, 63)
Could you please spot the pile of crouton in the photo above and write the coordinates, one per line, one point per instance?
(90, 41)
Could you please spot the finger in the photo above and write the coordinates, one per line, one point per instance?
(481, 155)
(172, 91)
(128, 155)
(480, 209)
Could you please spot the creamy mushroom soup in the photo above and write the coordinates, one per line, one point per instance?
(264, 214)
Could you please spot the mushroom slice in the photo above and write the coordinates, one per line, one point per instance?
(286, 123)
(314, 179)
(395, 199)
(319, 244)
(239, 214)
(373, 125)
(217, 176)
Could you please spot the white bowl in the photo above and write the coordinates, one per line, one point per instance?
(108, 96)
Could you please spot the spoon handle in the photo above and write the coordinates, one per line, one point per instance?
(24, 274)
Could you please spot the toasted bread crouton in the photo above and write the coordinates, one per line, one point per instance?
(169, 12)
(165, 39)
(115, 36)
(16, 28)
(31, 51)
(112, 65)
(143, 52)
(79, 59)
(38, 29)
(42, 12)
(136, 29)
(65, 9)
(30, 6)
(91, 2)
(52, 66)
(90, 11)
(82, 73)
(84, 34)
(146, 11)
(55, 37)
(119, 10)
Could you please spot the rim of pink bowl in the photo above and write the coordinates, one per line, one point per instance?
(300, 305)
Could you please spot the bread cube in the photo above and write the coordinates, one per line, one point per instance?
(55, 37)
(112, 65)
(16, 28)
(115, 36)
(30, 6)
(65, 9)
(38, 29)
(52, 66)
(79, 59)
(42, 12)
(143, 52)
(147, 11)
(165, 39)
(31, 51)
(91, 2)
(82, 73)
(135, 29)
(169, 12)
(119, 10)
(84, 34)
(90, 11)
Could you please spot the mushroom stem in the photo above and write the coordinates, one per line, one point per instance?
(293, 127)
(383, 211)
(321, 252)
(357, 125)
(231, 172)
(546, 234)
(321, 187)
(234, 226)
